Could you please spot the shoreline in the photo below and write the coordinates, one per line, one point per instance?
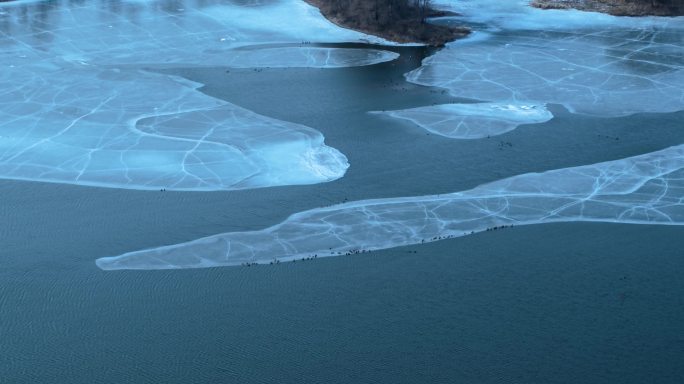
(612, 7)
(406, 30)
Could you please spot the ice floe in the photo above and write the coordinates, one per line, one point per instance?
(472, 121)
(76, 106)
(645, 189)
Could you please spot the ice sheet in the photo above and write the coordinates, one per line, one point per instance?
(473, 121)
(132, 129)
(590, 62)
(644, 189)
(76, 106)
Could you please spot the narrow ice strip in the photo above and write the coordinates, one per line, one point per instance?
(307, 57)
(473, 121)
(644, 189)
(138, 130)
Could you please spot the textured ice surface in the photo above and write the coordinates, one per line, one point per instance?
(76, 106)
(591, 63)
(473, 121)
(645, 189)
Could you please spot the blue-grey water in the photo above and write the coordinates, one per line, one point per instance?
(552, 303)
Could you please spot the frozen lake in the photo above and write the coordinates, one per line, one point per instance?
(169, 134)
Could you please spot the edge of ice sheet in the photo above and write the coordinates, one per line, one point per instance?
(645, 189)
(472, 121)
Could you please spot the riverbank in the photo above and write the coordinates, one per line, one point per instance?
(615, 7)
(409, 27)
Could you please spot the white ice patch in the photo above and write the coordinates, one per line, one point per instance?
(591, 63)
(644, 189)
(76, 108)
(473, 121)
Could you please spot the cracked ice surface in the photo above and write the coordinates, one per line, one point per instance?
(472, 121)
(75, 106)
(105, 128)
(591, 63)
(645, 189)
